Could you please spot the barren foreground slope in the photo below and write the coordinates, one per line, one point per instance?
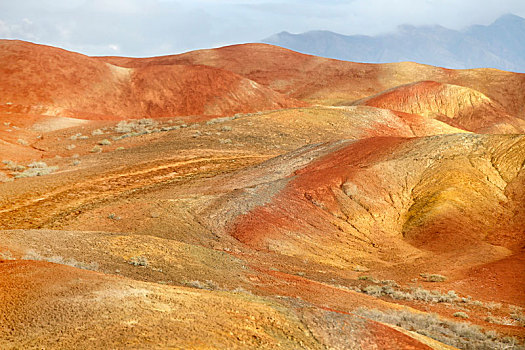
(202, 201)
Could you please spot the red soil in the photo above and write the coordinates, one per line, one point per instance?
(45, 80)
(460, 107)
(504, 278)
(295, 207)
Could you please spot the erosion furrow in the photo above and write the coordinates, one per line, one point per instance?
(42, 211)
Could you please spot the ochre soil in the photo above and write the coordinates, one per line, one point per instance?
(268, 185)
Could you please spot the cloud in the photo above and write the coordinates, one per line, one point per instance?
(155, 27)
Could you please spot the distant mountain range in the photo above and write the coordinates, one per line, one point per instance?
(499, 45)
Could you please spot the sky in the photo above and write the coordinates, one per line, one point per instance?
(141, 28)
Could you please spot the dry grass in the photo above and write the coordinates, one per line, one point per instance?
(33, 169)
(32, 255)
(390, 289)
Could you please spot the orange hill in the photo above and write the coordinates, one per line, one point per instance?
(329, 81)
(456, 105)
(45, 80)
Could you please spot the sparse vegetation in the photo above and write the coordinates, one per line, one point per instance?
(22, 142)
(35, 169)
(33, 255)
(97, 132)
(459, 334)
(391, 289)
(208, 285)
(140, 127)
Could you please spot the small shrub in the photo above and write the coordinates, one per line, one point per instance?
(492, 305)
(499, 320)
(104, 142)
(373, 290)
(365, 278)
(18, 167)
(70, 147)
(241, 290)
(97, 132)
(138, 261)
(22, 142)
(433, 277)
(518, 316)
(75, 162)
(136, 127)
(6, 256)
(113, 216)
(208, 285)
(359, 268)
(35, 165)
(96, 149)
(36, 169)
(124, 127)
(460, 314)
(389, 283)
(9, 164)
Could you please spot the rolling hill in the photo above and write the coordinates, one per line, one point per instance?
(254, 197)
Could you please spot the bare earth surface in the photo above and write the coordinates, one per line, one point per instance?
(254, 197)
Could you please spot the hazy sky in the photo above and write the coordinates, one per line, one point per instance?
(155, 27)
